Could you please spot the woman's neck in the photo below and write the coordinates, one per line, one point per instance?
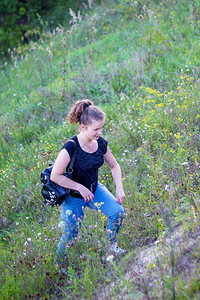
(86, 143)
(84, 138)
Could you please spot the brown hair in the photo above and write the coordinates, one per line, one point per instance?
(84, 112)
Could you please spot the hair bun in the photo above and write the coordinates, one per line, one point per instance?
(87, 104)
(78, 113)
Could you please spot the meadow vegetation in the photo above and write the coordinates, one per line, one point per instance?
(139, 61)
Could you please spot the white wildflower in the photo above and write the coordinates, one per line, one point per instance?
(110, 258)
(61, 225)
(68, 212)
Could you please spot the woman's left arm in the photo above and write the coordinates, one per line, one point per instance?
(116, 173)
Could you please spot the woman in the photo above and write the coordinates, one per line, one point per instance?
(86, 190)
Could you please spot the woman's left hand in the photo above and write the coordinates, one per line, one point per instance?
(120, 195)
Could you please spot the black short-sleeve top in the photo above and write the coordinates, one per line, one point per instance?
(86, 165)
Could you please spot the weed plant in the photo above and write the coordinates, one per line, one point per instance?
(139, 61)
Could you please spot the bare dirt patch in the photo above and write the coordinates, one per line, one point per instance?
(164, 270)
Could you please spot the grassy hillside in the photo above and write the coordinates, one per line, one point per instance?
(139, 61)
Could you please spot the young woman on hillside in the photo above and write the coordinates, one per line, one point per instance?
(86, 190)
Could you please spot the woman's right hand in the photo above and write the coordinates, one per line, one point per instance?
(85, 193)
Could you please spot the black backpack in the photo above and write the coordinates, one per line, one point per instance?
(53, 193)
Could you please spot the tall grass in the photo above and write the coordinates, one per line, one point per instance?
(140, 62)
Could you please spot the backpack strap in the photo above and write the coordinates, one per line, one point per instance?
(70, 167)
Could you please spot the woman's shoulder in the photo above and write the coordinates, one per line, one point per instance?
(70, 145)
(103, 144)
(102, 140)
(70, 141)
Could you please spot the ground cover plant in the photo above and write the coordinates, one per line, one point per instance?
(139, 61)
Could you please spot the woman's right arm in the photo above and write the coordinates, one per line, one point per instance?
(57, 176)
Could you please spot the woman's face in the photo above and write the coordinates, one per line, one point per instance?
(94, 130)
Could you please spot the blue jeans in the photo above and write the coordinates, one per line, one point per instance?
(72, 210)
